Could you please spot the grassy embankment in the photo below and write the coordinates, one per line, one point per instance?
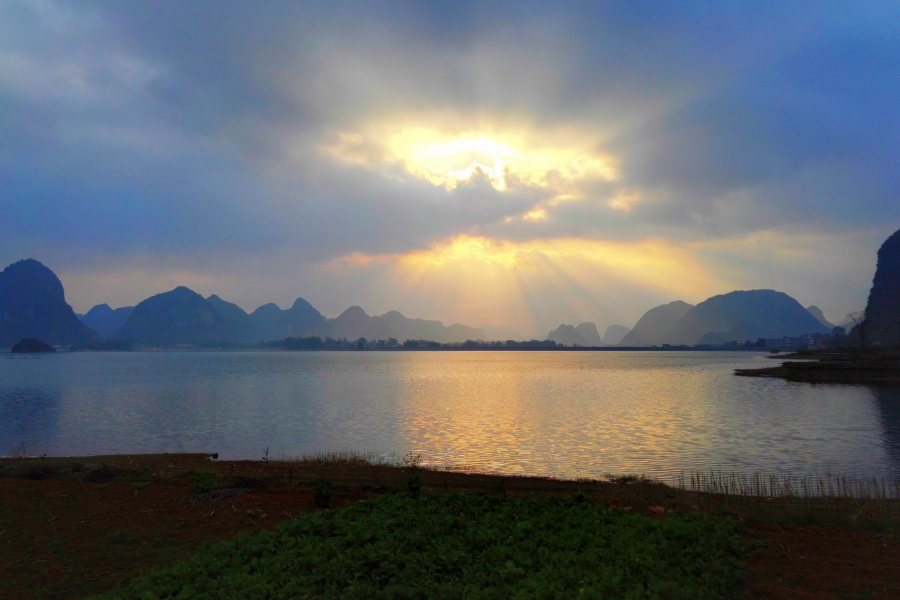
(72, 527)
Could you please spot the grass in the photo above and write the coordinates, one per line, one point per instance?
(462, 545)
(828, 500)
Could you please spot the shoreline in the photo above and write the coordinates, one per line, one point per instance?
(77, 526)
(880, 366)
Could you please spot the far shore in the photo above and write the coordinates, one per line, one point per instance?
(447, 349)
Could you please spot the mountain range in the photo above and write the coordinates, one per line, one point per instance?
(32, 304)
(182, 316)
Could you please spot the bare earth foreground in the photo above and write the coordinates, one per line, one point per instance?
(72, 527)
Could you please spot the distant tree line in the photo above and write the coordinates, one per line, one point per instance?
(318, 343)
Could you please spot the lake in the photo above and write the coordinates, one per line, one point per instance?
(573, 414)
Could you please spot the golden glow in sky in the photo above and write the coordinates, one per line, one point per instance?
(482, 279)
(446, 159)
(652, 263)
(475, 279)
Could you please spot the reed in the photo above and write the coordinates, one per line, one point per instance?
(341, 459)
(827, 499)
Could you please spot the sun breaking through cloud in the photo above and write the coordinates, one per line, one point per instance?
(447, 159)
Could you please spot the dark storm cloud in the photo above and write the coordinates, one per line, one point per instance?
(170, 126)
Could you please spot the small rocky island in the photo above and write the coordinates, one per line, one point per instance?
(32, 346)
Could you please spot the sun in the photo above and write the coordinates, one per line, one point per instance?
(447, 162)
(504, 159)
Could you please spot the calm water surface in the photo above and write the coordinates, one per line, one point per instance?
(558, 413)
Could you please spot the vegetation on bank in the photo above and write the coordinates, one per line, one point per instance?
(880, 365)
(463, 545)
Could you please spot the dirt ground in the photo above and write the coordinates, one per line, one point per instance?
(64, 537)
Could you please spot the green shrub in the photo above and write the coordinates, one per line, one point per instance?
(462, 545)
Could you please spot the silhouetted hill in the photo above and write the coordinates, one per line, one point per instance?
(268, 322)
(568, 336)
(614, 335)
(820, 316)
(588, 331)
(105, 320)
(242, 327)
(31, 346)
(883, 307)
(354, 323)
(180, 316)
(33, 304)
(744, 315)
(656, 324)
(300, 320)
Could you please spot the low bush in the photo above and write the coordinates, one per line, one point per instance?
(204, 480)
(462, 545)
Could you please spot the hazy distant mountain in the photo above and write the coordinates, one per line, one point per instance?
(33, 304)
(181, 316)
(820, 316)
(656, 324)
(744, 315)
(354, 323)
(242, 326)
(588, 331)
(403, 328)
(614, 334)
(105, 320)
(883, 307)
(300, 320)
(501, 332)
(460, 333)
(568, 336)
(847, 323)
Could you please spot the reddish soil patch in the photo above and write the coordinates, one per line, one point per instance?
(62, 537)
(823, 562)
(65, 538)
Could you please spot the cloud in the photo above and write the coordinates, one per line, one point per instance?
(288, 136)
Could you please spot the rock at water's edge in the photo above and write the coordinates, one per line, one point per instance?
(883, 307)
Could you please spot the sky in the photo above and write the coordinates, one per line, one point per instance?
(523, 163)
